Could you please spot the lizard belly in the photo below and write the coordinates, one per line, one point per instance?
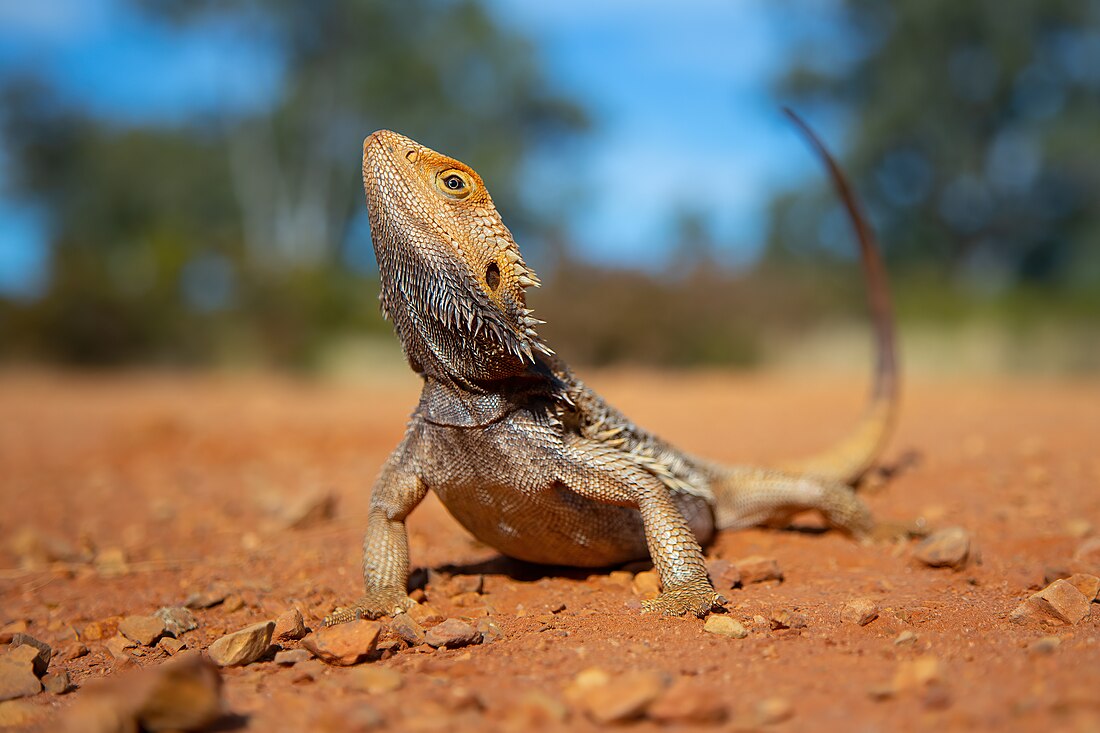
(499, 483)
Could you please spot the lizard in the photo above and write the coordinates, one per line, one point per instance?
(520, 451)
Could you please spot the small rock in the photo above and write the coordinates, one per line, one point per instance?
(452, 634)
(57, 683)
(607, 699)
(145, 630)
(465, 584)
(620, 578)
(407, 629)
(93, 631)
(20, 713)
(1089, 585)
(687, 702)
(784, 619)
(1046, 645)
(177, 620)
(725, 626)
(40, 658)
(918, 673)
(72, 651)
(242, 647)
(490, 631)
(8, 631)
(308, 671)
(290, 657)
(905, 637)
(1059, 602)
(111, 562)
(290, 626)
(171, 645)
(233, 602)
(772, 710)
(117, 646)
(344, 644)
(646, 584)
(205, 599)
(182, 694)
(374, 680)
(17, 678)
(723, 574)
(948, 547)
(533, 711)
(309, 510)
(757, 569)
(859, 611)
(425, 614)
(1087, 556)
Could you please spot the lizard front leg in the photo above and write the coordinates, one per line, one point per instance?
(398, 490)
(608, 474)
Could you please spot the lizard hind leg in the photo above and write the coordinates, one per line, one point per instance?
(753, 497)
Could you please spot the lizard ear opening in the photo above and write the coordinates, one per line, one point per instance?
(492, 275)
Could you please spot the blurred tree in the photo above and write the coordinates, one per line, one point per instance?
(183, 241)
(973, 133)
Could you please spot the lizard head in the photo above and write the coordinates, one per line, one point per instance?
(453, 279)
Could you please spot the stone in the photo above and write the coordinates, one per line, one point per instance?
(533, 710)
(144, 630)
(725, 626)
(460, 584)
(1059, 602)
(490, 631)
(117, 646)
(859, 611)
(784, 619)
(606, 699)
(452, 634)
(646, 584)
(8, 631)
(72, 651)
(723, 574)
(17, 678)
(233, 602)
(171, 646)
(184, 693)
(206, 599)
(374, 680)
(290, 657)
(944, 548)
(309, 510)
(111, 562)
(772, 710)
(242, 647)
(425, 614)
(916, 673)
(1089, 585)
(757, 569)
(57, 683)
(905, 637)
(407, 629)
(1046, 645)
(1087, 557)
(20, 713)
(177, 620)
(290, 626)
(344, 644)
(687, 702)
(95, 631)
(40, 657)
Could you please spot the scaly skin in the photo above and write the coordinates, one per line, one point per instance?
(521, 452)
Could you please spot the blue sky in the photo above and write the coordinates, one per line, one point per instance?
(684, 94)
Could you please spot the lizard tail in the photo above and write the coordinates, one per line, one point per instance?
(848, 460)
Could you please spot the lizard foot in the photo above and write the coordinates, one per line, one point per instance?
(372, 605)
(698, 599)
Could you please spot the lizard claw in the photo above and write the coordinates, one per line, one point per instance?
(373, 605)
(698, 599)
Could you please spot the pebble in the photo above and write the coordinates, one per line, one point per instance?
(723, 574)
(242, 647)
(622, 578)
(859, 611)
(1046, 645)
(373, 680)
(490, 631)
(145, 630)
(646, 584)
(1087, 556)
(290, 657)
(184, 693)
(425, 614)
(344, 644)
(39, 658)
(1089, 585)
(17, 678)
(72, 651)
(905, 637)
(57, 683)
(606, 699)
(757, 569)
(1059, 602)
(772, 710)
(117, 646)
(93, 631)
(233, 602)
(784, 619)
(948, 547)
(407, 629)
(177, 619)
(111, 562)
(687, 702)
(308, 510)
(452, 634)
(290, 626)
(725, 626)
(917, 673)
(533, 711)
(171, 645)
(206, 599)
(465, 584)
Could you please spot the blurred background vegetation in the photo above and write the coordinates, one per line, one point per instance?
(235, 235)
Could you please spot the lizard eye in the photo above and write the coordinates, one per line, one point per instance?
(454, 183)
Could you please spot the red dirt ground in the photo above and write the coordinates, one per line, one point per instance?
(186, 476)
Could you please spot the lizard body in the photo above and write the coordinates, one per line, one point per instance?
(519, 450)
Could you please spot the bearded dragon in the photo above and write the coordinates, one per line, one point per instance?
(525, 456)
